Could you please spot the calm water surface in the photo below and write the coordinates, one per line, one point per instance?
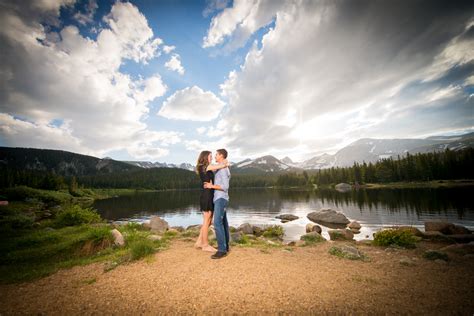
(374, 209)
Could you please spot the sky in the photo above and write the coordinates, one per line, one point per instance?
(164, 80)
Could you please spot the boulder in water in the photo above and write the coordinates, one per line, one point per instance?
(328, 216)
(354, 225)
(287, 217)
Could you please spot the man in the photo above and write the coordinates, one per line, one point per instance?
(221, 199)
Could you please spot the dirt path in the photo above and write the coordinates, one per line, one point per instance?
(249, 281)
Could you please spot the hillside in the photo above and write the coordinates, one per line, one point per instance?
(59, 162)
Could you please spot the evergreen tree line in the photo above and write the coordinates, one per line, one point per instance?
(39, 179)
(447, 165)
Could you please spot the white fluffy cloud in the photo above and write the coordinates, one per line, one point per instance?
(193, 104)
(132, 32)
(174, 64)
(168, 49)
(329, 72)
(239, 22)
(64, 77)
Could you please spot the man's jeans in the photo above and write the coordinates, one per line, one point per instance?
(221, 225)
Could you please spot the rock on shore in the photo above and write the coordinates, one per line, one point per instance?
(310, 227)
(328, 216)
(341, 234)
(287, 217)
(158, 225)
(446, 228)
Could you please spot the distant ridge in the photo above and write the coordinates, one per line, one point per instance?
(367, 149)
(59, 162)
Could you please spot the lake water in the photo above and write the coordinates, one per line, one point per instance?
(374, 209)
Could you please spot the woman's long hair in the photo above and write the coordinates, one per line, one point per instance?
(203, 161)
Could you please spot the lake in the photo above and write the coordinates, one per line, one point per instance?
(374, 208)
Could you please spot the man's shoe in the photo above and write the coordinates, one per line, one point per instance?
(219, 255)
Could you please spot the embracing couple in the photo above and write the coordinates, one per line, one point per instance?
(214, 199)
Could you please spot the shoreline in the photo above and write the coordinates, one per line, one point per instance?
(104, 193)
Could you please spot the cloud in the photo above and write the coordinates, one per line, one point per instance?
(174, 64)
(87, 16)
(168, 49)
(132, 32)
(193, 104)
(239, 22)
(333, 71)
(50, 76)
(30, 134)
(201, 130)
(214, 5)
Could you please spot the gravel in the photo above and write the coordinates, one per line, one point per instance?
(307, 280)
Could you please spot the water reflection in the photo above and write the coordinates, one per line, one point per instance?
(373, 208)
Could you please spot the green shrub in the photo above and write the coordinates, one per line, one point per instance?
(75, 215)
(397, 237)
(312, 238)
(141, 248)
(98, 234)
(244, 240)
(170, 234)
(274, 231)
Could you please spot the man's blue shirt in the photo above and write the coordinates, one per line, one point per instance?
(222, 178)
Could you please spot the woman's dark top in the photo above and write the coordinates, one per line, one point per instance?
(207, 195)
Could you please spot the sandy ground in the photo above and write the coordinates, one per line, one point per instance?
(306, 280)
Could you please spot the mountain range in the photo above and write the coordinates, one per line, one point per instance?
(366, 149)
(149, 164)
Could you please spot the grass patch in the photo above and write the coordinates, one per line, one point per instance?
(273, 232)
(260, 243)
(191, 233)
(76, 215)
(38, 253)
(434, 255)
(311, 239)
(338, 252)
(141, 248)
(138, 243)
(396, 237)
(24, 193)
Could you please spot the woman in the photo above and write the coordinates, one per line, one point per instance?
(205, 171)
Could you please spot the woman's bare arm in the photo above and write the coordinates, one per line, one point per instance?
(215, 167)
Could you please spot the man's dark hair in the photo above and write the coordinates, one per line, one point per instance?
(223, 152)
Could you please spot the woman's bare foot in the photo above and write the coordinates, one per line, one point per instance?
(197, 245)
(209, 248)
